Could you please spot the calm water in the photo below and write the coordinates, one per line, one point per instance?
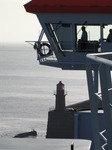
(26, 90)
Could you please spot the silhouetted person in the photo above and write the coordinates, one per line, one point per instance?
(84, 36)
(109, 38)
(83, 40)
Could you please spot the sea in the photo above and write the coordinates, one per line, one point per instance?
(26, 90)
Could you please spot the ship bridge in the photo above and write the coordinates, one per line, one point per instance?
(61, 23)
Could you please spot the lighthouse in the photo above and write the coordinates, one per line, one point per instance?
(60, 97)
(60, 120)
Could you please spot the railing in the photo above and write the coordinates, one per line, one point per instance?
(89, 46)
(55, 92)
(103, 135)
(104, 61)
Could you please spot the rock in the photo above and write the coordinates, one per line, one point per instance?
(26, 134)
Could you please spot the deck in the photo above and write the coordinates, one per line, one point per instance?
(43, 144)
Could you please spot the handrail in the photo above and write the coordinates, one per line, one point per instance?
(98, 57)
(104, 67)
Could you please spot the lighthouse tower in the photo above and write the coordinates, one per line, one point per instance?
(60, 97)
(60, 120)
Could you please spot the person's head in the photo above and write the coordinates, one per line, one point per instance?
(110, 31)
(83, 28)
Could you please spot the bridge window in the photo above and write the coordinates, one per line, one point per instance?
(61, 35)
(93, 36)
(66, 37)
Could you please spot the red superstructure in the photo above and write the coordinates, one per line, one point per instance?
(75, 6)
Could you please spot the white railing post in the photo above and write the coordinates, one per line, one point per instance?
(105, 84)
(105, 63)
(93, 106)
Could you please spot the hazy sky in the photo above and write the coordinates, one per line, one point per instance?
(16, 24)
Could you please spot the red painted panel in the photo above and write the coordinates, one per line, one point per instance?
(79, 6)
